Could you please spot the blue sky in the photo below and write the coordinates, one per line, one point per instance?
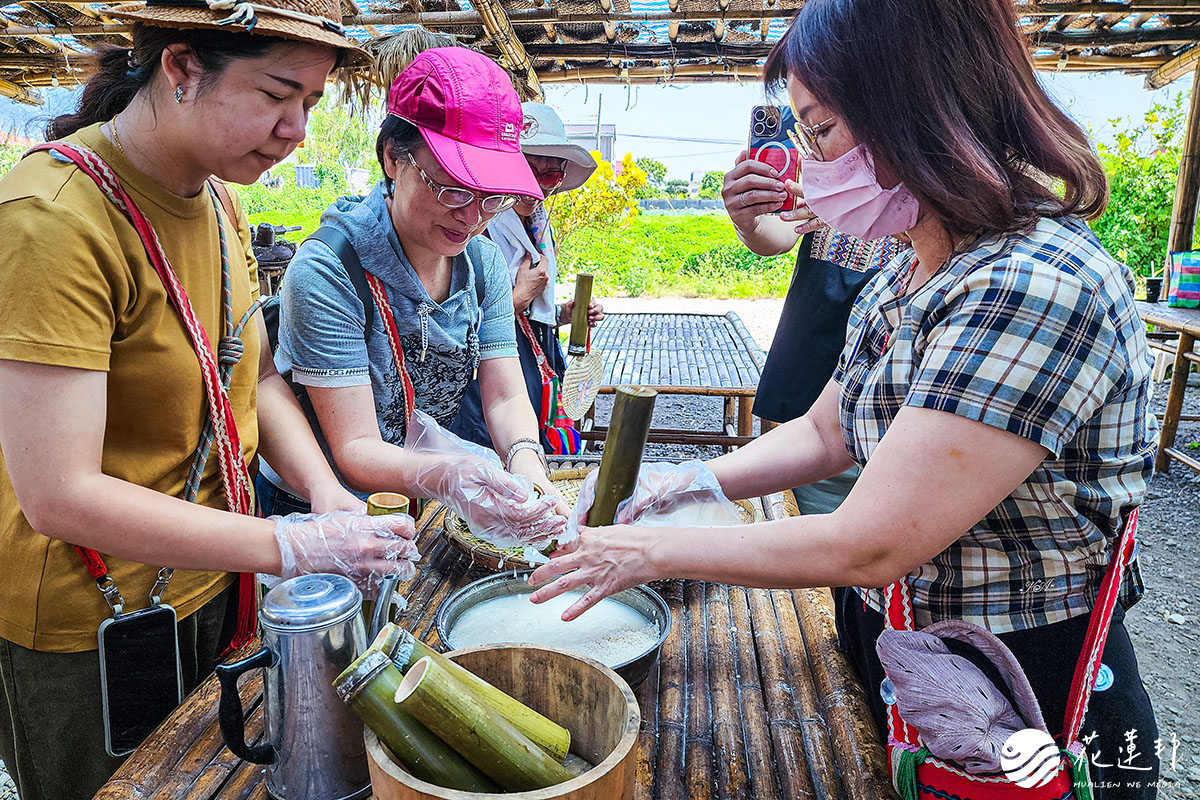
(719, 113)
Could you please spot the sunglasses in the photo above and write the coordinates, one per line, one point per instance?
(458, 197)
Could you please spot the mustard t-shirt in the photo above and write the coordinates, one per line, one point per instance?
(77, 290)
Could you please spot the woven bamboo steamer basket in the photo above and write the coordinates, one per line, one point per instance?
(568, 482)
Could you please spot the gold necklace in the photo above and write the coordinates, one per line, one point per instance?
(117, 136)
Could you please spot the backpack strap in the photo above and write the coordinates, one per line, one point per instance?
(336, 241)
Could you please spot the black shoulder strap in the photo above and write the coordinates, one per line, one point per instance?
(336, 241)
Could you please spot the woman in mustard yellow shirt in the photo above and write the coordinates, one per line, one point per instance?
(107, 383)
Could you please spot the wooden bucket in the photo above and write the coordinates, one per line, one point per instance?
(583, 695)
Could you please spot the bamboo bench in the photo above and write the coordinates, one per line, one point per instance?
(751, 698)
(709, 355)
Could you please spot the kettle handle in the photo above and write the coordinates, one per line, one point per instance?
(232, 717)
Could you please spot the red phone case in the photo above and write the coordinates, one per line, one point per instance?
(770, 144)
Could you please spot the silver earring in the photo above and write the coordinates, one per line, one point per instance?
(179, 93)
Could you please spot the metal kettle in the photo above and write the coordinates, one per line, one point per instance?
(312, 746)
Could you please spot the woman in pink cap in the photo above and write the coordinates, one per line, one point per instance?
(387, 317)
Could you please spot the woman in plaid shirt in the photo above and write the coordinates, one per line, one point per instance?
(994, 383)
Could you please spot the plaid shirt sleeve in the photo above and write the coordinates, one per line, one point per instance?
(1022, 345)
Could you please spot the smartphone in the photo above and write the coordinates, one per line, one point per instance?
(770, 143)
(140, 677)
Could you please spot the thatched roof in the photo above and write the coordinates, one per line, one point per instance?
(632, 41)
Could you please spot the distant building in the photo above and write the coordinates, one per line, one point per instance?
(15, 141)
(584, 135)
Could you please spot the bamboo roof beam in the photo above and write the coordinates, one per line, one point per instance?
(353, 9)
(19, 93)
(551, 31)
(1175, 68)
(610, 28)
(498, 26)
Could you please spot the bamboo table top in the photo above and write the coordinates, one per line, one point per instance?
(1185, 320)
(751, 698)
(679, 353)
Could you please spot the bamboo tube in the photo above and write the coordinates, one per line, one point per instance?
(405, 650)
(577, 344)
(623, 449)
(382, 503)
(368, 686)
(479, 734)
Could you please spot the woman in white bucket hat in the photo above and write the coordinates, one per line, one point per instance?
(524, 236)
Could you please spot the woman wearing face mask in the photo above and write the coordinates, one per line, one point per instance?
(993, 387)
(451, 159)
(526, 240)
(131, 404)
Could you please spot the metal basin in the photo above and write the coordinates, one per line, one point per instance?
(641, 599)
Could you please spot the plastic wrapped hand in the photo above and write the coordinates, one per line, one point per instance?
(362, 548)
(500, 508)
(665, 494)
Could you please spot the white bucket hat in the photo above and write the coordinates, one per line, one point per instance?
(543, 134)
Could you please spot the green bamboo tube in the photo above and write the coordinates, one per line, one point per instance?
(382, 503)
(577, 344)
(368, 686)
(623, 448)
(405, 650)
(441, 703)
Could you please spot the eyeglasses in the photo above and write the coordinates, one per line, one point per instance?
(805, 139)
(549, 171)
(458, 197)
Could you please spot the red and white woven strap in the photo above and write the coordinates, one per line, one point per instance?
(547, 372)
(899, 616)
(234, 474)
(1084, 679)
(379, 294)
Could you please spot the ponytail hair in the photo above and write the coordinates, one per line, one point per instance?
(122, 73)
(116, 81)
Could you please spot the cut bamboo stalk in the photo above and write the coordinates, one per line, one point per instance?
(382, 503)
(577, 344)
(368, 686)
(405, 650)
(440, 702)
(623, 448)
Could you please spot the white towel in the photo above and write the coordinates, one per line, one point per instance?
(508, 231)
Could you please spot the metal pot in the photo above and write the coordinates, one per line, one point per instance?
(313, 747)
(641, 599)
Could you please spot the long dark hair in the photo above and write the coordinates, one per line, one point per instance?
(120, 72)
(943, 93)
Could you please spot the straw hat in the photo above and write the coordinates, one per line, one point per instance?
(314, 21)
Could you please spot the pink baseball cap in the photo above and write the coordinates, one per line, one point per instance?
(469, 115)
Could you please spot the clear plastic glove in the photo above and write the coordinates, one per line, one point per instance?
(362, 548)
(666, 494)
(499, 507)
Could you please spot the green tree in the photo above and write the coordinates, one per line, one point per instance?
(676, 188)
(1142, 166)
(710, 185)
(337, 135)
(656, 173)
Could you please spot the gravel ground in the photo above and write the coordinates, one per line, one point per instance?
(1165, 625)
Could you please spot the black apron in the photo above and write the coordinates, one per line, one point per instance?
(810, 335)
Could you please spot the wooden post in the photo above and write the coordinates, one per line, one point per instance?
(1179, 382)
(1183, 212)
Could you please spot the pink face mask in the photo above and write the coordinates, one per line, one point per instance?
(845, 194)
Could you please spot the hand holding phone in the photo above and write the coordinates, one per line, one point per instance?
(771, 145)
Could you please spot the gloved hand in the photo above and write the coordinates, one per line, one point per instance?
(499, 507)
(362, 548)
(665, 494)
